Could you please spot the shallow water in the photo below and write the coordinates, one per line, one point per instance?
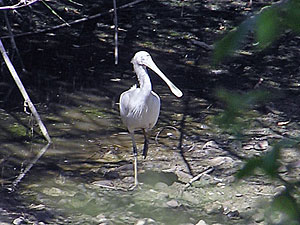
(83, 178)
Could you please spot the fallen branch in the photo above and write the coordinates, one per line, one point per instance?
(206, 171)
(23, 92)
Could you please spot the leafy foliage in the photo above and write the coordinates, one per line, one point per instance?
(233, 119)
(287, 204)
(267, 25)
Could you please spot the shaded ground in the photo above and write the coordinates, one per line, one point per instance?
(71, 74)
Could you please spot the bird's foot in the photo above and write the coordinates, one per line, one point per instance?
(134, 187)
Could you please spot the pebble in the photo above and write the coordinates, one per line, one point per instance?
(221, 160)
(18, 221)
(215, 208)
(261, 145)
(201, 222)
(162, 195)
(233, 214)
(102, 183)
(183, 177)
(278, 190)
(145, 221)
(173, 203)
(258, 217)
(210, 144)
(188, 196)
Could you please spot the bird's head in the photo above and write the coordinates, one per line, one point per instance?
(141, 58)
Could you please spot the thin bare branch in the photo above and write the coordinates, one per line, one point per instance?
(55, 13)
(75, 21)
(12, 40)
(20, 4)
(116, 32)
(23, 92)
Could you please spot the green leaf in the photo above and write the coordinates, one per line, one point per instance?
(270, 162)
(268, 26)
(235, 117)
(249, 168)
(232, 41)
(292, 15)
(287, 204)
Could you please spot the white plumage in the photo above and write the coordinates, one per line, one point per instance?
(140, 106)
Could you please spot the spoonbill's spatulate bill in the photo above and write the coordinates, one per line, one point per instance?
(140, 106)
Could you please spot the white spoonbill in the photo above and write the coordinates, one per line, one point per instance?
(140, 106)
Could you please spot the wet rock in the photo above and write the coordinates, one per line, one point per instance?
(103, 183)
(161, 186)
(173, 203)
(282, 169)
(205, 180)
(110, 175)
(145, 221)
(53, 191)
(18, 221)
(215, 208)
(188, 196)
(258, 217)
(210, 144)
(222, 161)
(163, 196)
(261, 145)
(278, 190)
(183, 177)
(129, 179)
(201, 222)
(102, 220)
(233, 214)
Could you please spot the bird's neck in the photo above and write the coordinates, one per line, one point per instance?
(143, 77)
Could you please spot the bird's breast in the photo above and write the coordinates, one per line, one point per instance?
(140, 110)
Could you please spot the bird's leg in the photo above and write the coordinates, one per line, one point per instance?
(135, 160)
(145, 149)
